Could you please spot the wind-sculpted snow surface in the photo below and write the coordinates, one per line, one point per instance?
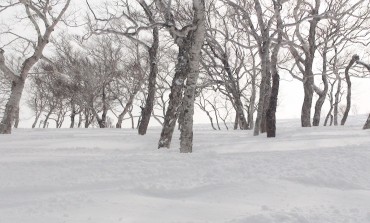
(305, 175)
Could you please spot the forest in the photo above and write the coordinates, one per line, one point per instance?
(99, 64)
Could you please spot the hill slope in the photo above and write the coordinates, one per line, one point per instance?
(311, 175)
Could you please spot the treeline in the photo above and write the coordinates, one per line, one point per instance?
(157, 59)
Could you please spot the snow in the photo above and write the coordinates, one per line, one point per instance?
(305, 175)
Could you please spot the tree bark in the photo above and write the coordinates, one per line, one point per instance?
(73, 115)
(11, 106)
(18, 81)
(176, 93)
(367, 123)
(147, 111)
(197, 40)
(47, 118)
(125, 110)
(36, 120)
(322, 95)
(349, 88)
(264, 52)
(273, 99)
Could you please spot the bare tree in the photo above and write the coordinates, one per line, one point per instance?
(129, 24)
(44, 19)
(189, 40)
(271, 111)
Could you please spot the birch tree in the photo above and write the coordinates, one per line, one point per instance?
(189, 40)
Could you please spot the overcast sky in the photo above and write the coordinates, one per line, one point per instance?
(290, 96)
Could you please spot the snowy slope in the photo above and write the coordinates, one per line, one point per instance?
(312, 175)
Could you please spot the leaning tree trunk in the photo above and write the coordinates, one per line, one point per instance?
(125, 110)
(12, 106)
(176, 94)
(367, 124)
(147, 111)
(349, 88)
(47, 118)
(197, 40)
(36, 120)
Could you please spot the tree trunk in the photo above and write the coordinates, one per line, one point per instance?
(36, 120)
(322, 95)
(147, 111)
(234, 90)
(79, 119)
(236, 121)
(120, 120)
(252, 102)
(273, 100)
(367, 123)
(266, 101)
(271, 111)
(46, 124)
(176, 94)
(349, 88)
(336, 101)
(11, 107)
(125, 110)
(73, 115)
(197, 40)
(16, 118)
(264, 52)
(308, 83)
(308, 76)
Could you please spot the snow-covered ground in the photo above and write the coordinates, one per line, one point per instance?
(311, 175)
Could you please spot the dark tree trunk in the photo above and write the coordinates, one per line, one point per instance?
(367, 123)
(36, 120)
(322, 95)
(308, 83)
(273, 99)
(308, 77)
(148, 109)
(266, 102)
(46, 124)
(349, 88)
(264, 53)
(73, 115)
